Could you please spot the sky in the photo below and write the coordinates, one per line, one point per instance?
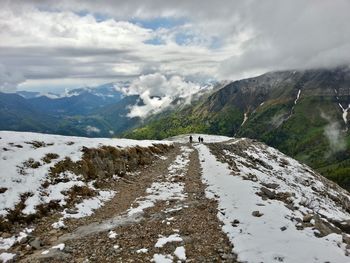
(46, 45)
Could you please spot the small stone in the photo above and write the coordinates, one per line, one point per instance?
(257, 214)
(36, 243)
(267, 192)
(23, 240)
(283, 228)
(71, 211)
(307, 217)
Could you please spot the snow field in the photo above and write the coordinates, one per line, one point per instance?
(261, 239)
(17, 178)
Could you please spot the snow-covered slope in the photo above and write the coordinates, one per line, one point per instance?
(23, 169)
(275, 209)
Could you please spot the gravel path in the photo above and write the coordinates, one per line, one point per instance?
(160, 214)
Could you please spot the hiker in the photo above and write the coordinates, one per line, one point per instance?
(202, 139)
(191, 138)
(199, 139)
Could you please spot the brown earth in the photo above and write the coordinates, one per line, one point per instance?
(193, 218)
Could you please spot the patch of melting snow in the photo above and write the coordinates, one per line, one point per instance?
(237, 200)
(180, 253)
(60, 246)
(5, 257)
(298, 96)
(245, 118)
(172, 238)
(168, 189)
(6, 243)
(21, 150)
(86, 207)
(159, 191)
(160, 258)
(112, 234)
(142, 250)
(345, 113)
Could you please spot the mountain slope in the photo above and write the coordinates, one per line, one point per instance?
(116, 200)
(302, 113)
(91, 112)
(16, 113)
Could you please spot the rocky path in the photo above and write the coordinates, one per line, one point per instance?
(159, 214)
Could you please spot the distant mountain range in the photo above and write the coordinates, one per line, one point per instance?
(94, 112)
(301, 113)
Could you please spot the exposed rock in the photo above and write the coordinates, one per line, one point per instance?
(307, 218)
(251, 177)
(346, 239)
(257, 214)
(71, 211)
(343, 225)
(324, 227)
(265, 192)
(270, 185)
(36, 243)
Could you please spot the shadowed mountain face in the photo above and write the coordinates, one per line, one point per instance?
(302, 113)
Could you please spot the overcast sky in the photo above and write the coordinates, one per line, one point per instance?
(67, 43)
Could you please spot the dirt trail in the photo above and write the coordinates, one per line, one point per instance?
(186, 219)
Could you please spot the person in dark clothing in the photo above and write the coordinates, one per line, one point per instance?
(199, 139)
(202, 139)
(191, 138)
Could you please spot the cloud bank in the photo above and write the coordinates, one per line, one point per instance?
(157, 92)
(83, 42)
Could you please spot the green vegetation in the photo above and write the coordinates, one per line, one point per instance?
(225, 122)
(300, 134)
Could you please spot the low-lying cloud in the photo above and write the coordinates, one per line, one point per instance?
(157, 92)
(334, 134)
(9, 80)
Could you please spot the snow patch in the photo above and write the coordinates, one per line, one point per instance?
(159, 258)
(112, 234)
(15, 149)
(59, 246)
(172, 238)
(142, 250)
(298, 96)
(180, 253)
(237, 200)
(5, 257)
(245, 118)
(6, 243)
(167, 189)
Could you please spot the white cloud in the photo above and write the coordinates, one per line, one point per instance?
(89, 40)
(158, 92)
(9, 80)
(92, 129)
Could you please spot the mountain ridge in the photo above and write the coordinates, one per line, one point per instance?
(301, 113)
